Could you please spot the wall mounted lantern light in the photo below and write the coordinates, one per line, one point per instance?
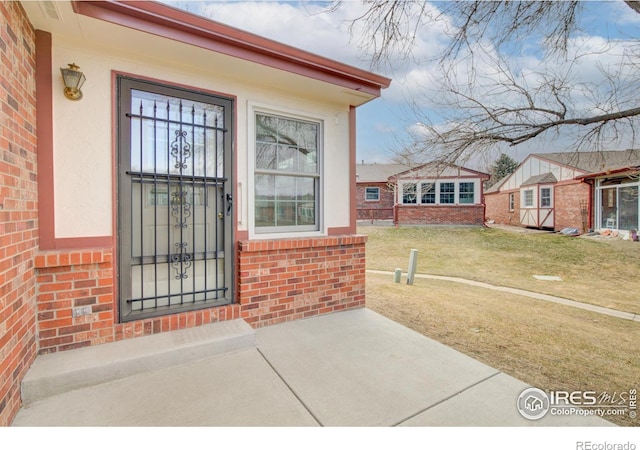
(73, 81)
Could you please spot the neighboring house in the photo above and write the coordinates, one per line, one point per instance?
(428, 194)
(375, 193)
(439, 194)
(206, 174)
(582, 190)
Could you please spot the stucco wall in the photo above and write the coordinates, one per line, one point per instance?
(83, 146)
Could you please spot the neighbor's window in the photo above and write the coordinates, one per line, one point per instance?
(428, 193)
(287, 174)
(447, 193)
(467, 192)
(409, 193)
(528, 198)
(372, 194)
(512, 201)
(545, 197)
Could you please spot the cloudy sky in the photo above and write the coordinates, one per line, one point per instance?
(384, 124)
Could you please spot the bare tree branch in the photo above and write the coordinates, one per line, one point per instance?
(483, 102)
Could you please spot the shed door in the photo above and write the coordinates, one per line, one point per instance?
(174, 200)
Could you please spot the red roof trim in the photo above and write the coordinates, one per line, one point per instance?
(481, 175)
(608, 172)
(171, 23)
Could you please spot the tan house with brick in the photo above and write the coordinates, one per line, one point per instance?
(582, 190)
(206, 174)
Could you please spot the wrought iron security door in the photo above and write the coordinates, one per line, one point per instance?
(174, 200)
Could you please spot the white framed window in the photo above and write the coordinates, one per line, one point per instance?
(467, 193)
(512, 201)
(409, 194)
(447, 193)
(527, 197)
(428, 193)
(545, 197)
(372, 194)
(287, 174)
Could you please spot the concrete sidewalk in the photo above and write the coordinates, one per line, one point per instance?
(354, 368)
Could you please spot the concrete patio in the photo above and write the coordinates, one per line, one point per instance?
(353, 368)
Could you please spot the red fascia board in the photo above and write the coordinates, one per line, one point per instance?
(481, 175)
(608, 172)
(165, 21)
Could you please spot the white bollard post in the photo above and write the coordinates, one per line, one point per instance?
(413, 262)
(397, 275)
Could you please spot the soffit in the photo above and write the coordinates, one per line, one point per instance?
(59, 18)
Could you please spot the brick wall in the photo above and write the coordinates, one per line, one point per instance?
(439, 215)
(278, 280)
(382, 209)
(68, 281)
(289, 279)
(18, 204)
(566, 204)
(81, 281)
(567, 199)
(498, 208)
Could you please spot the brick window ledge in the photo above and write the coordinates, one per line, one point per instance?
(299, 243)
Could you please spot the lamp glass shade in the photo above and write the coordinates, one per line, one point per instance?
(73, 81)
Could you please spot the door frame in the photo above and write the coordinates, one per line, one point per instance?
(122, 82)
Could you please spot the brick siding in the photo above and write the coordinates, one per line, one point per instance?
(282, 280)
(567, 199)
(498, 208)
(70, 280)
(18, 204)
(370, 210)
(566, 206)
(439, 215)
(278, 280)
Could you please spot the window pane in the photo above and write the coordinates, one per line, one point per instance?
(265, 213)
(308, 143)
(467, 193)
(287, 158)
(545, 197)
(409, 194)
(528, 198)
(609, 199)
(372, 193)
(447, 193)
(428, 193)
(287, 153)
(175, 135)
(296, 142)
(266, 156)
(629, 208)
(285, 201)
(265, 200)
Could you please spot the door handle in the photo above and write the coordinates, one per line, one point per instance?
(229, 204)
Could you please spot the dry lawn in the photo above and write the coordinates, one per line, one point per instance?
(602, 273)
(550, 346)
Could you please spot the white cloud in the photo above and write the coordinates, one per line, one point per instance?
(309, 26)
